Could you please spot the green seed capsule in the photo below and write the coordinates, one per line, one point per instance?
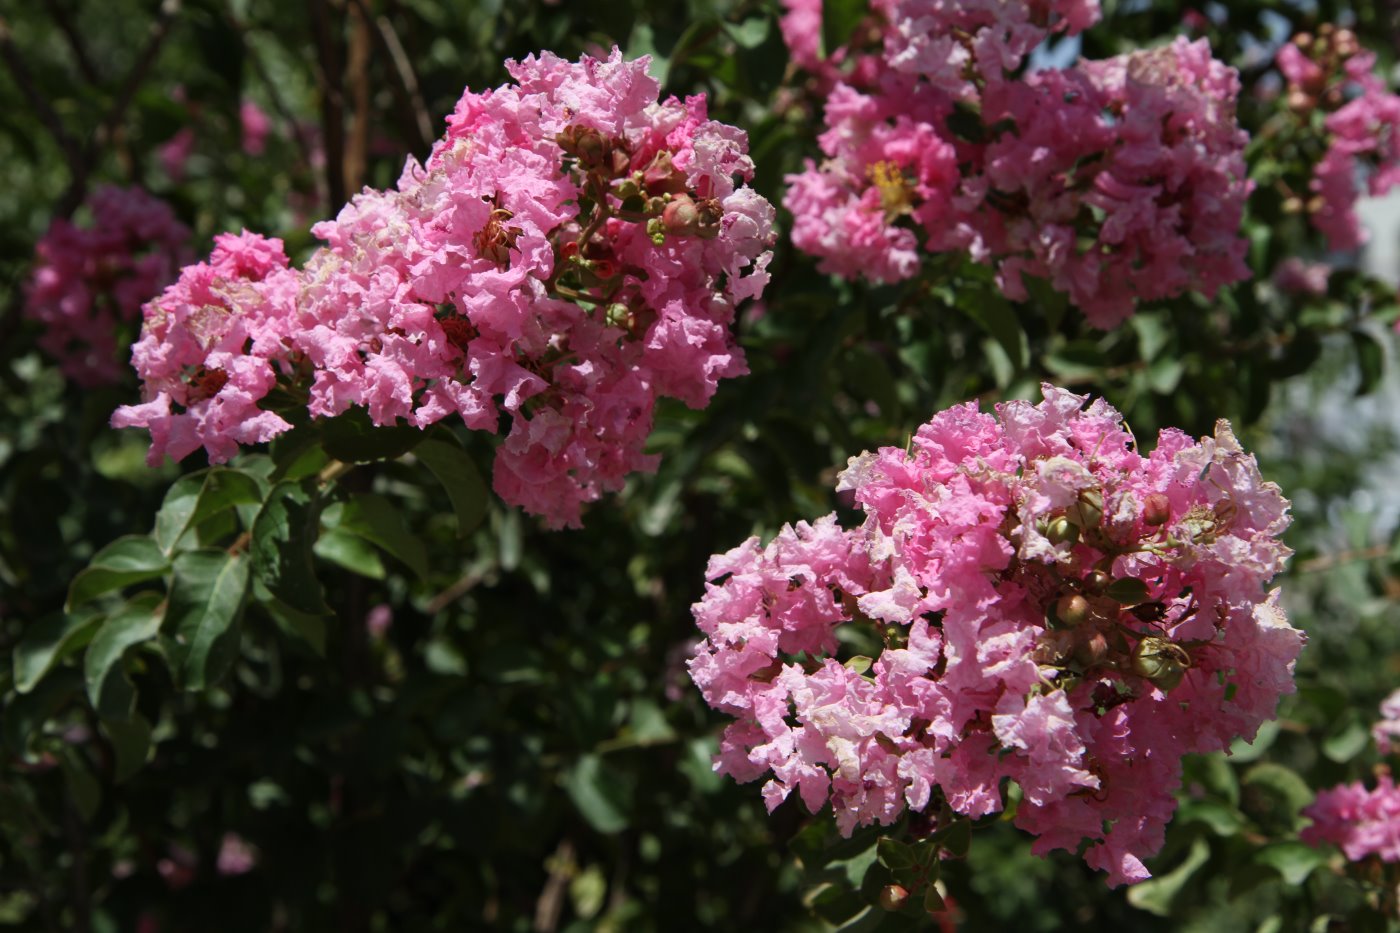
(1062, 531)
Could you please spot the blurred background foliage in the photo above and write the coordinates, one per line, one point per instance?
(497, 731)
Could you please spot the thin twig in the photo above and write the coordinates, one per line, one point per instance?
(1328, 561)
(549, 907)
(275, 97)
(58, 10)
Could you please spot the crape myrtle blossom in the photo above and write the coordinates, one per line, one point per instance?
(1359, 821)
(1118, 181)
(570, 250)
(852, 64)
(1049, 605)
(1332, 72)
(89, 279)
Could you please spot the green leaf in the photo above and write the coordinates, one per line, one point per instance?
(893, 854)
(839, 20)
(83, 788)
(1155, 895)
(353, 438)
(752, 32)
(955, 838)
(353, 553)
(1347, 738)
(997, 317)
(132, 742)
(379, 522)
(1293, 860)
(207, 598)
(933, 901)
(50, 640)
(306, 626)
(127, 560)
(1370, 360)
(108, 688)
(459, 476)
(601, 794)
(26, 714)
(284, 533)
(199, 496)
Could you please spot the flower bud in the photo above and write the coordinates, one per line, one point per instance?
(1160, 661)
(681, 217)
(1091, 652)
(1097, 581)
(1072, 609)
(1157, 510)
(1088, 511)
(893, 896)
(1062, 531)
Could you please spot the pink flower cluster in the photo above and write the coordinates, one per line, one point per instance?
(1333, 72)
(1029, 598)
(851, 64)
(1118, 181)
(1360, 822)
(571, 250)
(88, 280)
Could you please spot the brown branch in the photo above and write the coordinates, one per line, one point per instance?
(332, 103)
(357, 70)
(58, 11)
(562, 868)
(407, 92)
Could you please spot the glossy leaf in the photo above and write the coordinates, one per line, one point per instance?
(108, 688)
(457, 472)
(127, 560)
(206, 605)
(50, 640)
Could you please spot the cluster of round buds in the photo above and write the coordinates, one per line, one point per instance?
(1029, 598)
(1313, 64)
(91, 279)
(571, 250)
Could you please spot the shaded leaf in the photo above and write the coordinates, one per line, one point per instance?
(108, 688)
(283, 535)
(378, 521)
(457, 472)
(198, 496)
(206, 604)
(127, 560)
(50, 640)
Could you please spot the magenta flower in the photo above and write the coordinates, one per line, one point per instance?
(89, 279)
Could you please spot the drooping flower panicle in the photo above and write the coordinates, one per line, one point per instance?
(1045, 603)
(570, 251)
